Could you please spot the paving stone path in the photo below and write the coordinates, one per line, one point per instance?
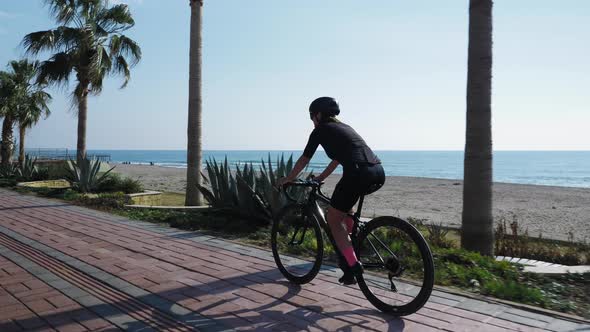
(68, 268)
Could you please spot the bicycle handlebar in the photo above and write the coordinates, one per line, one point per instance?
(302, 183)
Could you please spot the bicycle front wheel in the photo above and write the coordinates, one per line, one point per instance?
(399, 269)
(297, 244)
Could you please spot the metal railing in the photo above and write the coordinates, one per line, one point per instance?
(62, 154)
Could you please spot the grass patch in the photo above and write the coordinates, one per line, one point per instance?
(172, 199)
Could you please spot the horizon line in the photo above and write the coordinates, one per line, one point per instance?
(282, 150)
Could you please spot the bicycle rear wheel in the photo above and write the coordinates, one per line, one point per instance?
(399, 269)
(297, 244)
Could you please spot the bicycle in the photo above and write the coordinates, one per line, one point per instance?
(386, 246)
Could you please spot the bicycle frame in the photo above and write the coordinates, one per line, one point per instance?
(313, 209)
(374, 252)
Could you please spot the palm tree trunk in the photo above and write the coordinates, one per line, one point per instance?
(21, 145)
(194, 145)
(477, 230)
(82, 117)
(7, 140)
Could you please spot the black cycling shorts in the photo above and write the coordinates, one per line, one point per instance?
(356, 181)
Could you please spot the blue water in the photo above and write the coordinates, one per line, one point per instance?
(554, 168)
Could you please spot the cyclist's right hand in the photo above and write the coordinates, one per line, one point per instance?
(281, 182)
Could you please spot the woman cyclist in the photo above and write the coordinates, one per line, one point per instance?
(362, 175)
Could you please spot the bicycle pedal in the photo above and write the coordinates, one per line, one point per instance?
(347, 279)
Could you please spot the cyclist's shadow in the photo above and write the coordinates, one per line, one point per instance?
(272, 314)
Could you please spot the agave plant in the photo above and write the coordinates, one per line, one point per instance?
(232, 192)
(8, 171)
(28, 170)
(267, 180)
(85, 174)
(249, 192)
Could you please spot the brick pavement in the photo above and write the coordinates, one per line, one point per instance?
(68, 268)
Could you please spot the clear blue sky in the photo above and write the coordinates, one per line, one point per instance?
(398, 69)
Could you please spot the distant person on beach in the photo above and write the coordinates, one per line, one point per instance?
(362, 175)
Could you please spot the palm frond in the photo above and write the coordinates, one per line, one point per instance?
(121, 67)
(35, 107)
(115, 19)
(62, 38)
(125, 46)
(64, 11)
(68, 38)
(100, 64)
(56, 70)
(23, 70)
(36, 42)
(88, 9)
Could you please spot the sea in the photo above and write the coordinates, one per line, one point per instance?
(552, 168)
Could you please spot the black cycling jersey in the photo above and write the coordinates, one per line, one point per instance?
(341, 143)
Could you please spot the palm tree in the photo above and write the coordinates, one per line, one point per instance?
(34, 106)
(194, 146)
(7, 92)
(23, 101)
(477, 232)
(89, 42)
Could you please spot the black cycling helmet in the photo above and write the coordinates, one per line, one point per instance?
(324, 105)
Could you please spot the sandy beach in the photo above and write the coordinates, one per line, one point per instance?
(552, 211)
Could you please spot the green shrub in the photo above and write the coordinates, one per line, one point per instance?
(113, 183)
(71, 195)
(130, 186)
(56, 170)
(7, 182)
(512, 241)
(42, 174)
(437, 236)
(224, 221)
(106, 201)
